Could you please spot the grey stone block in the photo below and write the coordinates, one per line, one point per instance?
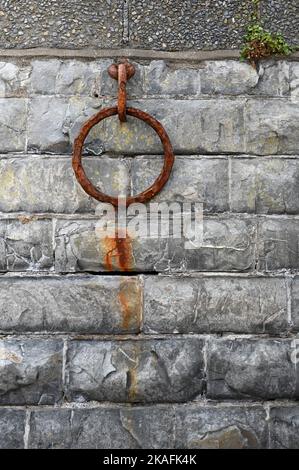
(12, 428)
(20, 188)
(214, 305)
(284, 427)
(228, 245)
(26, 244)
(61, 24)
(242, 368)
(31, 371)
(164, 79)
(265, 185)
(54, 122)
(13, 116)
(195, 179)
(295, 302)
(135, 371)
(271, 127)
(106, 305)
(294, 80)
(14, 79)
(232, 77)
(222, 426)
(106, 428)
(194, 126)
(278, 244)
(64, 77)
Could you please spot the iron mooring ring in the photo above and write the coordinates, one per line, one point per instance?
(122, 72)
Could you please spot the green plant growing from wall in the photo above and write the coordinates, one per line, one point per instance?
(260, 43)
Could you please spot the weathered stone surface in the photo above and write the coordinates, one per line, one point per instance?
(12, 428)
(250, 368)
(232, 77)
(106, 428)
(64, 77)
(278, 243)
(194, 126)
(26, 244)
(188, 24)
(265, 185)
(295, 302)
(284, 427)
(271, 127)
(53, 121)
(228, 77)
(163, 79)
(195, 179)
(62, 24)
(106, 305)
(20, 189)
(214, 305)
(135, 371)
(228, 246)
(294, 80)
(31, 371)
(13, 117)
(221, 427)
(14, 79)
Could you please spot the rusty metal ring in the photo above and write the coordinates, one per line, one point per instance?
(150, 192)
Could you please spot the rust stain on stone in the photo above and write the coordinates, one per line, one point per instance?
(26, 219)
(9, 356)
(118, 253)
(130, 298)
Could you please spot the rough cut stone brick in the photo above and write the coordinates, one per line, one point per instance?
(223, 426)
(25, 244)
(13, 116)
(162, 79)
(14, 79)
(233, 77)
(196, 179)
(242, 368)
(295, 303)
(12, 428)
(53, 121)
(106, 305)
(194, 126)
(135, 371)
(63, 77)
(20, 188)
(214, 305)
(294, 80)
(31, 371)
(284, 427)
(271, 127)
(228, 246)
(265, 185)
(278, 244)
(103, 428)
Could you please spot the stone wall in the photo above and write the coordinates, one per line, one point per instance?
(203, 340)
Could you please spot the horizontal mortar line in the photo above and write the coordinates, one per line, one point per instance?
(85, 275)
(148, 337)
(285, 335)
(89, 216)
(146, 54)
(203, 402)
(289, 99)
(123, 156)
